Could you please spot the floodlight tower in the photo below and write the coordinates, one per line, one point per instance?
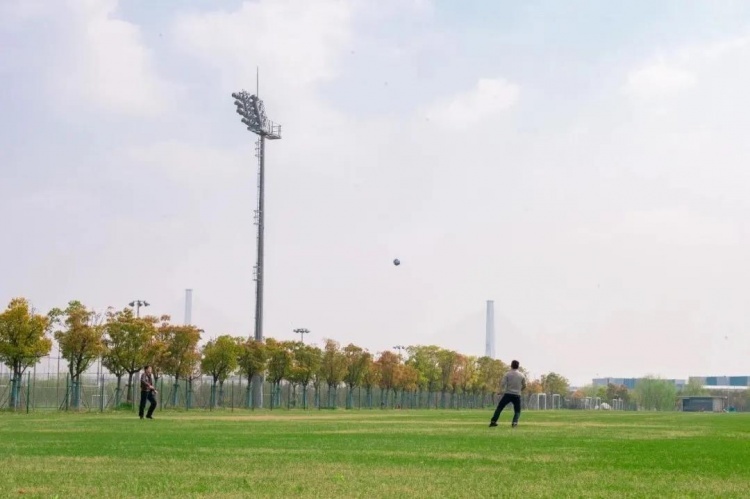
(302, 332)
(253, 113)
(137, 304)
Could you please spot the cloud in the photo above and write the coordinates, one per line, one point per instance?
(658, 80)
(295, 42)
(195, 166)
(107, 64)
(489, 98)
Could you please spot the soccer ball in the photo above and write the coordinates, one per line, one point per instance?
(396, 262)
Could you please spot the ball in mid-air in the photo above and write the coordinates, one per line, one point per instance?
(396, 262)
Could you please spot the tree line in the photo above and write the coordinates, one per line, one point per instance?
(126, 342)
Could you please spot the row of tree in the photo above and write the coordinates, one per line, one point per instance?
(125, 343)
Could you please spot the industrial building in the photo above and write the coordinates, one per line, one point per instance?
(710, 382)
(723, 381)
(630, 383)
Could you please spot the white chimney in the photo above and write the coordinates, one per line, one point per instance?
(489, 345)
(188, 306)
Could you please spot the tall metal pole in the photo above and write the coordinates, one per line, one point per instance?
(258, 381)
(251, 108)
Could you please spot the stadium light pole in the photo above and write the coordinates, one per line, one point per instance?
(302, 332)
(137, 304)
(253, 114)
(399, 348)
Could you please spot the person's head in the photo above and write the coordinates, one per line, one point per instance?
(514, 364)
(147, 369)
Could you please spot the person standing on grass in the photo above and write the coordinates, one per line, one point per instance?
(148, 392)
(513, 384)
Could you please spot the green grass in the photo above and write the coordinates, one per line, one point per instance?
(375, 454)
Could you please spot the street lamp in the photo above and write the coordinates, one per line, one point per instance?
(302, 332)
(399, 348)
(253, 113)
(138, 304)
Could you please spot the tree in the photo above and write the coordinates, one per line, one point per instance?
(23, 341)
(655, 394)
(126, 342)
(425, 361)
(406, 379)
(80, 341)
(355, 368)
(307, 362)
(333, 368)
(194, 371)
(370, 376)
(220, 361)
(252, 360)
(447, 362)
(180, 352)
(466, 373)
(694, 387)
(491, 371)
(388, 363)
(555, 383)
(156, 350)
(279, 366)
(534, 387)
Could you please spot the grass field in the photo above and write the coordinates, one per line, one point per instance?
(375, 454)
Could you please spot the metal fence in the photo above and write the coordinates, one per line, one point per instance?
(48, 386)
(100, 392)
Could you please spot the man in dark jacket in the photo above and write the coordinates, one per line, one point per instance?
(513, 384)
(148, 392)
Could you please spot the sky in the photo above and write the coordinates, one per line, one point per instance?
(583, 164)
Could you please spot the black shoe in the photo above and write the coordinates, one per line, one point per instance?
(492, 423)
(140, 417)
(514, 425)
(149, 417)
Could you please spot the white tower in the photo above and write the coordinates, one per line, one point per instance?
(489, 345)
(188, 306)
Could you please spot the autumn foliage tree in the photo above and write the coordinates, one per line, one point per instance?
(307, 360)
(220, 359)
(180, 355)
(387, 365)
(80, 341)
(356, 363)
(126, 346)
(23, 341)
(333, 368)
(279, 366)
(252, 360)
(554, 383)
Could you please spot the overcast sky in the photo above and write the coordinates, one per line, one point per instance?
(582, 163)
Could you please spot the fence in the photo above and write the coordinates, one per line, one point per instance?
(51, 391)
(99, 392)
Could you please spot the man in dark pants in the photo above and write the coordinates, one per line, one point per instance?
(513, 384)
(148, 392)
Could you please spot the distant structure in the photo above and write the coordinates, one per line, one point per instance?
(702, 404)
(630, 383)
(188, 307)
(489, 343)
(722, 381)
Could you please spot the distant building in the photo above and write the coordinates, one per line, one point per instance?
(630, 383)
(710, 382)
(722, 381)
(702, 404)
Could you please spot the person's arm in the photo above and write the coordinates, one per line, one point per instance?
(504, 383)
(523, 382)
